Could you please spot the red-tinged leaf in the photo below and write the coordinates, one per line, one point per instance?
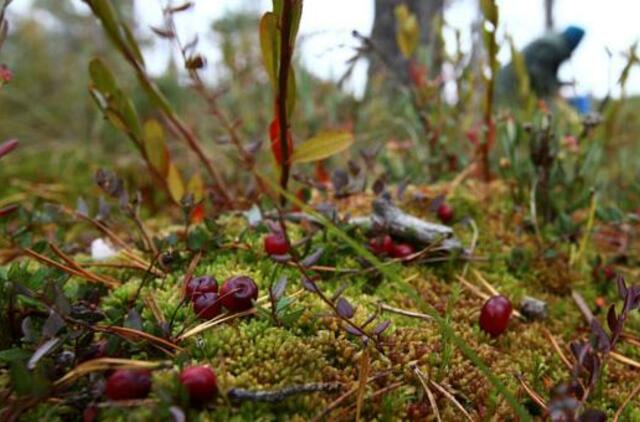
(274, 135)
(322, 175)
(612, 319)
(197, 214)
(622, 287)
(303, 196)
(8, 146)
(345, 309)
(9, 209)
(599, 337)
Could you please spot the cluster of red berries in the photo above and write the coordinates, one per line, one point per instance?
(130, 384)
(236, 294)
(385, 245)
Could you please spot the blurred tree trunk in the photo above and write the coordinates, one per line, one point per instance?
(383, 34)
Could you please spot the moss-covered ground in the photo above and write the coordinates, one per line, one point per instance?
(308, 344)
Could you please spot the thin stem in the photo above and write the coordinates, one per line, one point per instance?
(286, 50)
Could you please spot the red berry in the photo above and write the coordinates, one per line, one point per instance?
(207, 305)
(200, 382)
(237, 293)
(609, 273)
(445, 213)
(276, 244)
(199, 285)
(495, 314)
(128, 384)
(381, 245)
(401, 250)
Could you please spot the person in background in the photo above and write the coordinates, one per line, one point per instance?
(542, 58)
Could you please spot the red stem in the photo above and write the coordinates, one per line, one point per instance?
(286, 51)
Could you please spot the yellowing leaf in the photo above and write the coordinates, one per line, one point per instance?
(175, 183)
(323, 145)
(408, 32)
(195, 186)
(269, 46)
(155, 147)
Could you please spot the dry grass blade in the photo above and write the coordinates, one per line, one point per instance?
(534, 396)
(104, 364)
(449, 191)
(623, 359)
(626, 401)
(81, 274)
(72, 264)
(404, 312)
(212, 323)
(151, 303)
(138, 335)
(451, 398)
(362, 381)
(557, 348)
(485, 283)
(425, 384)
(473, 289)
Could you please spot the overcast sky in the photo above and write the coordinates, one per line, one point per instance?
(327, 25)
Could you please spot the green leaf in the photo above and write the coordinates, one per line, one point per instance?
(291, 92)
(323, 145)
(101, 76)
(295, 20)
(269, 46)
(175, 183)
(132, 44)
(127, 111)
(155, 147)
(105, 12)
(14, 354)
